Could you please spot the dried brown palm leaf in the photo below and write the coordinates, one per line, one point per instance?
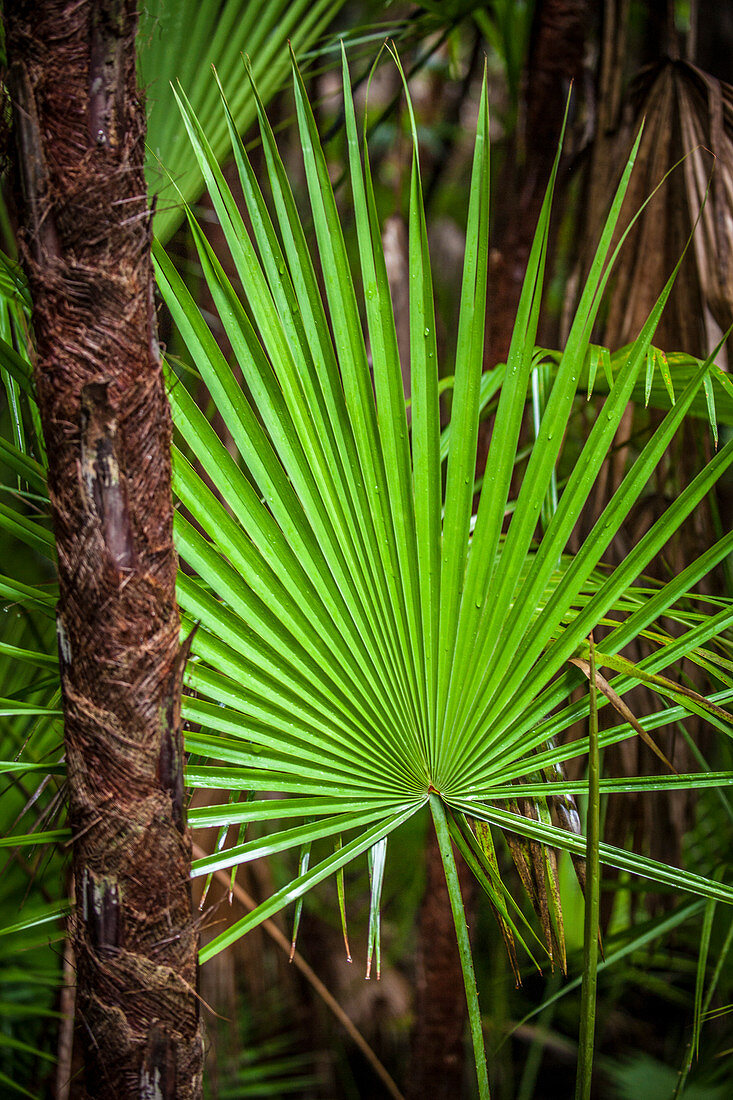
(687, 116)
(686, 113)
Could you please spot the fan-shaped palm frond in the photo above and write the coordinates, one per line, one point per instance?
(366, 645)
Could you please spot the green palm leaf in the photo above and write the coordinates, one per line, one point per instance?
(181, 40)
(357, 655)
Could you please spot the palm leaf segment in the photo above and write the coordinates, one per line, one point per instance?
(180, 39)
(366, 645)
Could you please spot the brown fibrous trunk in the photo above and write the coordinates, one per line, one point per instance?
(80, 130)
(555, 60)
(437, 1047)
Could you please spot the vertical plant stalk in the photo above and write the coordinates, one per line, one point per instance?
(437, 1049)
(67, 1004)
(592, 897)
(464, 944)
(80, 130)
(556, 48)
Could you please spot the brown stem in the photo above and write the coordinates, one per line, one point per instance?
(437, 1055)
(555, 60)
(82, 201)
(67, 1006)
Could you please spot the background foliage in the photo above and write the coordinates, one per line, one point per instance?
(664, 980)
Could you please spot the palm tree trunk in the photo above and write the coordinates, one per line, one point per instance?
(82, 203)
(437, 1056)
(555, 60)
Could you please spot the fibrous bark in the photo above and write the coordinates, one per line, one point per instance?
(437, 1055)
(555, 60)
(80, 131)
